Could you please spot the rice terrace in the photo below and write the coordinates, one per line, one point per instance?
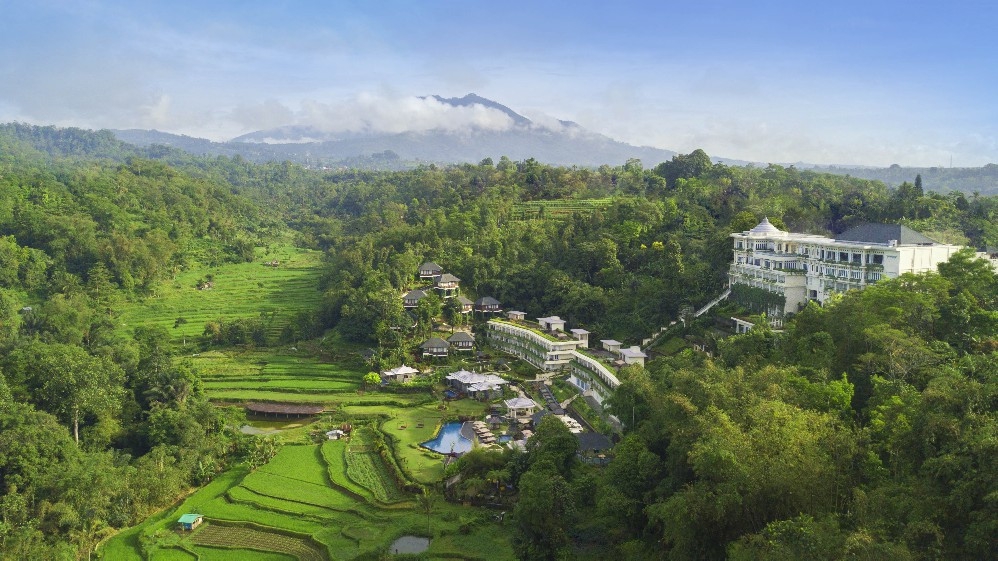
(342, 499)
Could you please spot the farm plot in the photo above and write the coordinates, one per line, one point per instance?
(354, 529)
(334, 454)
(300, 548)
(368, 470)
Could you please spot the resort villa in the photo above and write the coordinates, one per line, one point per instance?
(476, 384)
(430, 270)
(411, 299)
(462, 341)
(399, 375)
(807, 267)
(488, 305)
(435, 347)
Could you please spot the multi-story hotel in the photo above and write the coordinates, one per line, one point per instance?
(546, 346)
(803, 267)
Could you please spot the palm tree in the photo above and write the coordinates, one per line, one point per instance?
(426, 502)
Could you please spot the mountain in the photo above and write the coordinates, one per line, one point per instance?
(560, 143)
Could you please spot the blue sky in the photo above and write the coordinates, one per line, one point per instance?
(847, 82)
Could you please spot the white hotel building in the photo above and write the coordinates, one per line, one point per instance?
(805, 267)
(546, 346)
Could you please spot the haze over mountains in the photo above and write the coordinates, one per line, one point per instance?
(439, 130)
(478, 128)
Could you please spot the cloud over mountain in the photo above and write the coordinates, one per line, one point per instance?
(375, 113)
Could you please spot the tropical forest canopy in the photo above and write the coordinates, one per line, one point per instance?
(864, 429)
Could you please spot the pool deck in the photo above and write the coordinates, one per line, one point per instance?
(468, 431)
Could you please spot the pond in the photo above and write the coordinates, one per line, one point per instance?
(410, 544)
(448, 440)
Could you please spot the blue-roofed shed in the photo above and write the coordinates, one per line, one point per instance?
(190, 521)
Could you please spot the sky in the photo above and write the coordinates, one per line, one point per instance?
(844, 82)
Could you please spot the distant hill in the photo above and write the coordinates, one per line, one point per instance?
(564, 144)
(983, 180)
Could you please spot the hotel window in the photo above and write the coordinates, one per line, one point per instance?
(878, 259)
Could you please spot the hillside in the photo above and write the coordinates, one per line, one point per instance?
(983, 180)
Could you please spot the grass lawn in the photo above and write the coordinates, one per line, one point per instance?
(423, 465)
(671, 346)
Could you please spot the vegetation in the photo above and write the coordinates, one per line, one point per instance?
(863, 429)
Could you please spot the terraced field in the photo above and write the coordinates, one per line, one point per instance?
(301, 506)
(337, 500)
(557, 210)
(240, 290)
(365, 468)
(276, 375)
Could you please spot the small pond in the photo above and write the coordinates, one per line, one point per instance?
(448, 440)
(505, 438)
(410, 544)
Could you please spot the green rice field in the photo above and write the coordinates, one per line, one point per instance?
(240, 290)
(335, 500)
(303, 506)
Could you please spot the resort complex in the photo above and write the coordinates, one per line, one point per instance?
(798, 268)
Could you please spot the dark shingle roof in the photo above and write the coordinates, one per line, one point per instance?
(435, 343)
(464, 301)
(461, 336)
(417, 294)
(590, 441)
(430, 266)
(486, 301)
(447, 277)
(883, 233)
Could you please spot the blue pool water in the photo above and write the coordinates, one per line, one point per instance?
(449, 440)
(505, 438)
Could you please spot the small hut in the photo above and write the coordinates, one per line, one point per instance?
(190, 521)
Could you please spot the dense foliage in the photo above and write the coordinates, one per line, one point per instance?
(865, 429)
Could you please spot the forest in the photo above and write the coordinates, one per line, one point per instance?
(864, 429)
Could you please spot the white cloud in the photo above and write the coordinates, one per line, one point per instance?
(374, 112)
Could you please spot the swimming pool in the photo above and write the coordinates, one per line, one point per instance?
(448, 440)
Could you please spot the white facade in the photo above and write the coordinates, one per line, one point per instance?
(537, 348)
(805, 267)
